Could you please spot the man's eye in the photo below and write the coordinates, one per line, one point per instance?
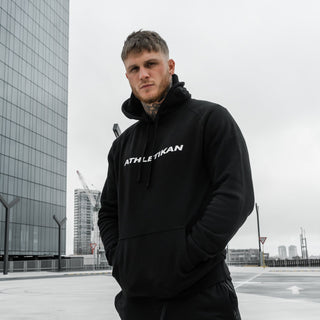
(135, 69)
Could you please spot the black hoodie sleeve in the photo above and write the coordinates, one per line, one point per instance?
(232, 198)
(108, 214)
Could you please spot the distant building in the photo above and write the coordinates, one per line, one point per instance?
(85, 223)
(34, 41)
(282, 250)
(243, 256)
(293, 252)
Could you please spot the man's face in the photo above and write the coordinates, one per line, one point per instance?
(149, 75)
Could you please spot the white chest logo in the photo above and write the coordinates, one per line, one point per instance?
(155, 156)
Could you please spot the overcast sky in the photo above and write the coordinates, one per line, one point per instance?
(259, 59)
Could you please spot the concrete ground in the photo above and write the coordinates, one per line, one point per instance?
(278, 293)
(263, 294)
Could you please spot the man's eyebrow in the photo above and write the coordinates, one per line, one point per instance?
(132, 66)
(152, 60)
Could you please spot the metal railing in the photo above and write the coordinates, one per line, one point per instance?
(52, 265)
(293, 263)
(280, 263)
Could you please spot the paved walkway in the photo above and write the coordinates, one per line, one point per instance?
(263, 294)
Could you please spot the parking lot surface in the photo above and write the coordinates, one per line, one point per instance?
(263, 294)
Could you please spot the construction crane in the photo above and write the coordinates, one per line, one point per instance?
(94, 202)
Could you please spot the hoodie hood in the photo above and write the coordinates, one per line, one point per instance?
(133, 109)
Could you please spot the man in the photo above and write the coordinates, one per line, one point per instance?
(178, 188)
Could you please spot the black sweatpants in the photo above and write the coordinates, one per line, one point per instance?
(218, 302)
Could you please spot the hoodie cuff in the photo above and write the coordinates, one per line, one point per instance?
(196, 254)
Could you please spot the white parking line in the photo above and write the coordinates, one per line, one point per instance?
(247, 281)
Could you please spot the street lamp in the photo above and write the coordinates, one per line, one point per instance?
(8, 206)
(59, 223)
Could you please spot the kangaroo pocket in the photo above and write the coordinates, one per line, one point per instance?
(154, 264)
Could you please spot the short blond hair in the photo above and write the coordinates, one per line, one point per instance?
(139, 41)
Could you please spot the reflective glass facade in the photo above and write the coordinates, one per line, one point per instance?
(34, 38)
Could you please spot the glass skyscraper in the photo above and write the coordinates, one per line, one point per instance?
(34, 40)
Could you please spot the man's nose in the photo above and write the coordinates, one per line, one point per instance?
(143, 73)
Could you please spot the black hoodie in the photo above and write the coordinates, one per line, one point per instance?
(178, 188)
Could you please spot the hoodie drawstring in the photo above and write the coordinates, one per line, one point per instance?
(143, 154)
(163, 311)
(149, 175)
(150, 166)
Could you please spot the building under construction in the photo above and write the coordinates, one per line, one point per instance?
(86, 232)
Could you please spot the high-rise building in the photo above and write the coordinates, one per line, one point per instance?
(86, 230)
(293, 252)
(34, 39)
(282, 250)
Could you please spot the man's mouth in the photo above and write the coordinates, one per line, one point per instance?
(147, 85)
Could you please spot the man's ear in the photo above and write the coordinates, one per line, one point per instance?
(171, 65)
(126, 75)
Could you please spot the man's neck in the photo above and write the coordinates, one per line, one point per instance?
(152, 108)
